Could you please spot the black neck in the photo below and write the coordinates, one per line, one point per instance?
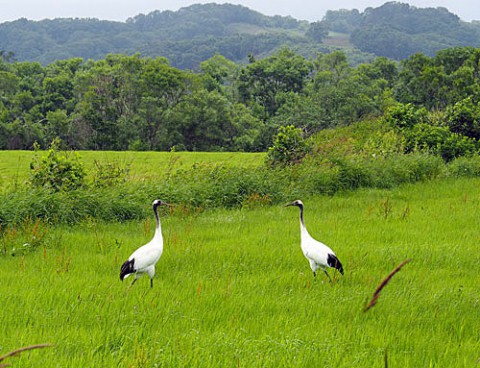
(301, 214)
(155, 206)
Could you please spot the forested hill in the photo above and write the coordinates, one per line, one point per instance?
(186, 37)
(193, 34)
(397, 30)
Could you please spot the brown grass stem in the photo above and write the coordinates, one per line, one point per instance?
(21, 350)
(384, 283)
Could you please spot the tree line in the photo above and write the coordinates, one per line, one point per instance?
(130, 102)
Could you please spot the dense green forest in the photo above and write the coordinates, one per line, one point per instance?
(186, 37)
(397, 30)
(140, 103)
(196, 33)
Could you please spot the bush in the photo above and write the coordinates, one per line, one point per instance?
(404, 116)
(465, 167)
(464, 118)
(289, 147)
(457, 145)
(438, 140)
(56, 170)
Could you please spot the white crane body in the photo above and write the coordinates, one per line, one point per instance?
(318, 254)
(143, 260)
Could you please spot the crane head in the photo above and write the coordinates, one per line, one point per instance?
(297, 203)
(159, 202)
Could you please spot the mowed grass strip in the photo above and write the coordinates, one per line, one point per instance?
(15, 165)
(233, 288)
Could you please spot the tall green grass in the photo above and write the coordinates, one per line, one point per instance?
(202, 185)
(233, 288)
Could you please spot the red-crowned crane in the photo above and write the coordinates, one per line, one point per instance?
(317, 253)
(143, 260)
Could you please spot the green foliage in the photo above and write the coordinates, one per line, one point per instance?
(264, 81)
(457, 146)
(465, 167)
(464, 118)
(383, 144)
(367, 154)
(317, 31)
(188, 36)
(207, 186)
(438, 140)
(195, 33)
(217, 72)
(204, 182)
(289, 147)
(343, 20)
(397, 30)
(109, 174)
(336, 95)
(404, 116)
(140, 103)
(56, 170)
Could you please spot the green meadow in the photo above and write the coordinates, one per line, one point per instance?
(14, 165)
(233, 288)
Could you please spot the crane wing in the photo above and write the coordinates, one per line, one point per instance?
(145, 257)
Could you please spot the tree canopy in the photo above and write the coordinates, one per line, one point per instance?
(131, 102)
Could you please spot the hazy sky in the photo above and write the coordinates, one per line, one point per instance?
(121, 10)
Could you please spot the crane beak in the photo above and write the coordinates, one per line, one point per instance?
(290, 204)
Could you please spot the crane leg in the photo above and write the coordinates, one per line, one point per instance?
(326, 273)
(151, 283)
(133, 282)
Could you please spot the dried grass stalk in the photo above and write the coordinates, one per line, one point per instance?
(21, 350)
(387, 279)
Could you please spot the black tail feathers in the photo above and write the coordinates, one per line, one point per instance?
(127, 268)
(334, 262)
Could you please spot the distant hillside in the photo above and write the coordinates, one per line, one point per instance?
(186, 37)
(398, 30)
(195, 33)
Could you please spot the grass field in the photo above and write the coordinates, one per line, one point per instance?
(15, 165)
(233, 289)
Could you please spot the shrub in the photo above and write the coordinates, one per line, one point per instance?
(354, 173)
(56, 170)
(465, 167)
(457, 145)
(404, 116)
(438, 140)
(464, 118)
(289, 147)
